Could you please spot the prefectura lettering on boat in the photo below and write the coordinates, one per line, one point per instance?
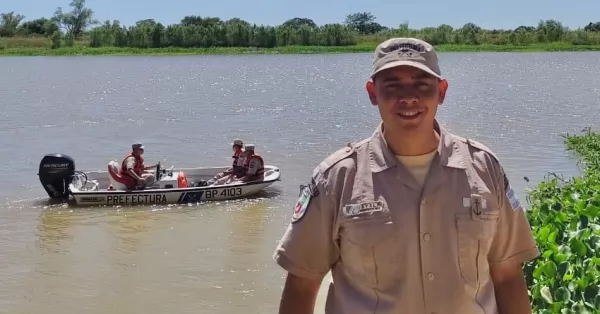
(136, 199)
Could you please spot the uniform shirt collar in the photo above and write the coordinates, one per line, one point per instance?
(382, 158)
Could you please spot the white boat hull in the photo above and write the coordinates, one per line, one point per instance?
(99, 195)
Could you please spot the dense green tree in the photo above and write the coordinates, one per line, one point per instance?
(41, 26)
(194, 31)
(364, 23)
(9, 22)
(592, 27)
(299, 22)
(76, 21)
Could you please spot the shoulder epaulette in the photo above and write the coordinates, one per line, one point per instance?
(336, 157)
(477, 145)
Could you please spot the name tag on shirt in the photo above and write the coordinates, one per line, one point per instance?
(362, 208)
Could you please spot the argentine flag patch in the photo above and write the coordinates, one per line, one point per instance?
(512, 198)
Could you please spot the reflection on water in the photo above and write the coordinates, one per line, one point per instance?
(243, 258)
(217, 257)
(88, 258)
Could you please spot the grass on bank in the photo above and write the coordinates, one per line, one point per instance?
(42, 47)
(564, 217)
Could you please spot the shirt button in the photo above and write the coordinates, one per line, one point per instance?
(426, 237)
(431, 276)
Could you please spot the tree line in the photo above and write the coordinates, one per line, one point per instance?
(80, 26)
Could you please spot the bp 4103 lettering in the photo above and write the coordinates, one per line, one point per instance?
(226, 192)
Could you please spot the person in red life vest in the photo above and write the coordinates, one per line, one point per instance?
(237, 166)
(254, 166)
(134, 170)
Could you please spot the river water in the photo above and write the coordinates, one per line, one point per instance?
(216, 257)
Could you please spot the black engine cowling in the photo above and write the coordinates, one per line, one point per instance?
(56, 173)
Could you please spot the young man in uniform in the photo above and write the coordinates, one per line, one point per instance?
(413, 219)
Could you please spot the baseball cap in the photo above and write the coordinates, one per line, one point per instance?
(137, 146)
(238, 142)
(249, 147)
(406, 51)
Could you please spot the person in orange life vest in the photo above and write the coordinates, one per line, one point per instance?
(133, 168)
(254, 165)
(237, 167)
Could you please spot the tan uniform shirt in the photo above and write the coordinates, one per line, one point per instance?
(253, 165)
(396, 247)
(129, 163)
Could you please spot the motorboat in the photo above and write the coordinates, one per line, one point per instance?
(62, 181)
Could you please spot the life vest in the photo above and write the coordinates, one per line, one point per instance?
(238, 162)
(138, 168)
(238, 158)
(182, 181)
(260, 170)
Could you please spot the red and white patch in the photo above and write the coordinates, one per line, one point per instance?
(302, 204)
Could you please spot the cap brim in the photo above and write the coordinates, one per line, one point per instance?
(413, 64)
(142, 147)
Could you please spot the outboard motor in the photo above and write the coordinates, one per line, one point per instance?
(56, 173)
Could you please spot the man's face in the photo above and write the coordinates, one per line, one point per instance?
(407, 98)
(234, 148)
(138, 151)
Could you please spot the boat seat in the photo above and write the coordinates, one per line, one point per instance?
(268, 172)
(115, 179)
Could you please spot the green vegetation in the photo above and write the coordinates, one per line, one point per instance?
(565, 220)
(86, 50)
(77, 32)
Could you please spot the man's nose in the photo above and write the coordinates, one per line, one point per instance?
(408, 99)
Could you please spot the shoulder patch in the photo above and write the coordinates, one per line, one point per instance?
(511, 195)
(310, 190)
(307, 192)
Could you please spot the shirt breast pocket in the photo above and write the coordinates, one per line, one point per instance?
(474, 237)
(370, 249)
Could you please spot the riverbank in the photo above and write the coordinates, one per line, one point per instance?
(564, 218)
(360, 48)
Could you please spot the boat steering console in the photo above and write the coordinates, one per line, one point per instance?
(169, 179)
(157, 172)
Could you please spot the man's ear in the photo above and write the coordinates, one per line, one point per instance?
(371, 91)
(443, 90)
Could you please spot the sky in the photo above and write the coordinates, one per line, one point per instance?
(489, 14)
